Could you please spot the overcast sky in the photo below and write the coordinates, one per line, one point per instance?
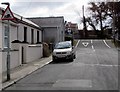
(45, 8)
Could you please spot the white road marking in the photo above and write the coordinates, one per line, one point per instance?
(91, 41)
(104, 65)
(85, 44)
(73, 83)
(92, 45)
(106, 44)
(93, 48)
(77, 43)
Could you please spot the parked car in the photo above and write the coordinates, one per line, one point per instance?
(63, 50)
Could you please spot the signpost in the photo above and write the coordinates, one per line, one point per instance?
(8, 15)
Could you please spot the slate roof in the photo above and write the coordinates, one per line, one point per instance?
(48, 21)
(22, 19)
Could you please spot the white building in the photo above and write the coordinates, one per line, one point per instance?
(25, 42)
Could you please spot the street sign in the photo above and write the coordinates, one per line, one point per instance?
(7, 15)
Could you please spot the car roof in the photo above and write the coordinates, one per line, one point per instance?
(65, 42)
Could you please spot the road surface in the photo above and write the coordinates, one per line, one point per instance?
(95, 68)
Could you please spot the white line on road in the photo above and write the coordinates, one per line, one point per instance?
(91, 41)
(77, 43)
(103, 65)
(106, 44)
(92, 45)
(93, 48)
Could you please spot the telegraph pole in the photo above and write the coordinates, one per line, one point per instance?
(84, 24)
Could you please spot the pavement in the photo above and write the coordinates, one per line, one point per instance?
(24, 70)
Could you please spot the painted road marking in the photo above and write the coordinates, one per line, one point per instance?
(85, 44)
(77, 43)
(106, 44)
(104, 65)
(91, 41)
(93, 48)
(73, 83)
(92, 45)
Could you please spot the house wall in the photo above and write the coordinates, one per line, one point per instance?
(0, 70)
(55, 34)
(33, 52)
(0, 34)
(12, 33)
(0, 54)
(62, 30)
(21, 33)
(50, 25)
(50, 34)
(14, 58)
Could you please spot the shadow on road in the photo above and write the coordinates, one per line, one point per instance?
(61, 62)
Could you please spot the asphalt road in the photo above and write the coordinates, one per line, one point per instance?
(95, 68)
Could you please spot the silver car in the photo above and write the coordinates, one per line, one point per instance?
(63, 50)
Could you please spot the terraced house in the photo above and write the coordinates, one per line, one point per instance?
(25, 42)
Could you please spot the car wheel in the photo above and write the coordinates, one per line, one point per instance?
(71, 59)
(53, 59)
(74, 56)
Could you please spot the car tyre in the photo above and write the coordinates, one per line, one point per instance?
(71, 60)
(74, 56)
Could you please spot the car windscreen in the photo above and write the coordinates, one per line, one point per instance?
(62, 45)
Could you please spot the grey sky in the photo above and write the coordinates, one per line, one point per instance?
(46, 8)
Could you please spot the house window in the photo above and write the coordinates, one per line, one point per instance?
(32, 36)
(38, 36)
(25, 34)
(5, 36)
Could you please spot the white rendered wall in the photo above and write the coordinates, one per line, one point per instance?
(33, 53)
(14, 60)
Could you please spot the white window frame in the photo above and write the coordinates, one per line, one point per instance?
(5, 36)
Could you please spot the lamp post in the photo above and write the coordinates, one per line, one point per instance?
(8, 46)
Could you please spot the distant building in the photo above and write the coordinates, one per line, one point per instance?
(53, 28)
(73, 28)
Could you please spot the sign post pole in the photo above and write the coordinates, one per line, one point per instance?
(8, 52)
(8, 15)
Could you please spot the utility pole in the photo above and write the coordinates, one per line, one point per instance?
(84, 24)
(113, 11)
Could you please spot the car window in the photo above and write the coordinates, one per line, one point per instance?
(62, 45)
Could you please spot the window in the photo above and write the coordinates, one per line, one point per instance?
(38, 36)
(32, 36)
(5, 36)
(25, 34)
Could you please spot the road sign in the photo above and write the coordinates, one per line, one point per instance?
(7, 15)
